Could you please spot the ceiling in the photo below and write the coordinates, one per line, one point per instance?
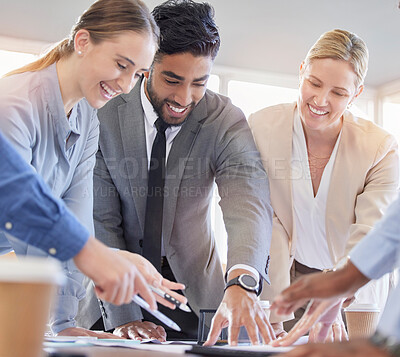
(267, 35)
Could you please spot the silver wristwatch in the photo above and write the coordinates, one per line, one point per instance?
(245, 281)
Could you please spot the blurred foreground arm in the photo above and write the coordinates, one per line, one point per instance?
(28, 211)
(355, 348)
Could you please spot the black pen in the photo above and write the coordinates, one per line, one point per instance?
(169, 298)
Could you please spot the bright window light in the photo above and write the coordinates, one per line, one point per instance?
(12, 60)
(391, 119)
(213, 83)
(251, 97)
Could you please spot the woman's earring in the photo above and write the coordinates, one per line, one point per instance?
(79, 53)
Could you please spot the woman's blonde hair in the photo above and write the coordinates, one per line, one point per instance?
(342, 45)
(103, 20)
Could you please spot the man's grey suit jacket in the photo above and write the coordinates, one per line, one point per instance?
(214, 145)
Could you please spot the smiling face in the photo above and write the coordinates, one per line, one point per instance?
(113, 66)
(327, 86)
(176, 84)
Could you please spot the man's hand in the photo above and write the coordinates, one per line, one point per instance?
(154, 278)
(115, 277)
(355, 348)
(139, 330)
(78, 331)
(341, 283)
(324, 321)
(240, 308)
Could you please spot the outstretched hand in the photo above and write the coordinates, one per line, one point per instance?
(322, 315)
(322, 318)
(329, 331)
(116, 279)
(341, 283)
(240, 308)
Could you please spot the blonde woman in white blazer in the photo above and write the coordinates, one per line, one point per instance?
(332, 175)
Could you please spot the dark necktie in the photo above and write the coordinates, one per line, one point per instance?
(155, 198)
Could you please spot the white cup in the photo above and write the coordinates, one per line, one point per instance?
(27, 288)
(361, 320)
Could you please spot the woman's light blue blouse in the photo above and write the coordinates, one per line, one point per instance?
(61, 150)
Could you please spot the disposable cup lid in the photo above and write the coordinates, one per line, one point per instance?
(362, 308)
(265, 304)
(31, 270)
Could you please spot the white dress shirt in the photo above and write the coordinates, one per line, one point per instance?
(309, 212)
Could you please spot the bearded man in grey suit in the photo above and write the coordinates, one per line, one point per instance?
(207, 141)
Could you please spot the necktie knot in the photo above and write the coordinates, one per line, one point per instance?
(161, 125)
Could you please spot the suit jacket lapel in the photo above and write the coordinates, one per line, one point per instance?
(280, 170)
(177, 160)
(131, 119)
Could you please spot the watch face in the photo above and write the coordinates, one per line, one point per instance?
(248, 281)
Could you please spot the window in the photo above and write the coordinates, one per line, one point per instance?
(213, 83)
(363, 107)
(391, 114)
(10, 60)
(251, 97)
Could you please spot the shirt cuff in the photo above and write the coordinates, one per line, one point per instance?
(245, 267)
(65, 238)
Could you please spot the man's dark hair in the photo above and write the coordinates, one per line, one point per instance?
(186, 26)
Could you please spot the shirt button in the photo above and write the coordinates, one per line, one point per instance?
(52, 251)
(8, 225)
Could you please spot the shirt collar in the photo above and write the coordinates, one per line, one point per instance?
(149, 114)
(64, 126)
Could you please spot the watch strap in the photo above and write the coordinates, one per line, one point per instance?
(234, 281)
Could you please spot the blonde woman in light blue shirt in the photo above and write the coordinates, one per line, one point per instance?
(48, 112)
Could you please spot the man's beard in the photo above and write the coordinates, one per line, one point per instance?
(158, 104)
